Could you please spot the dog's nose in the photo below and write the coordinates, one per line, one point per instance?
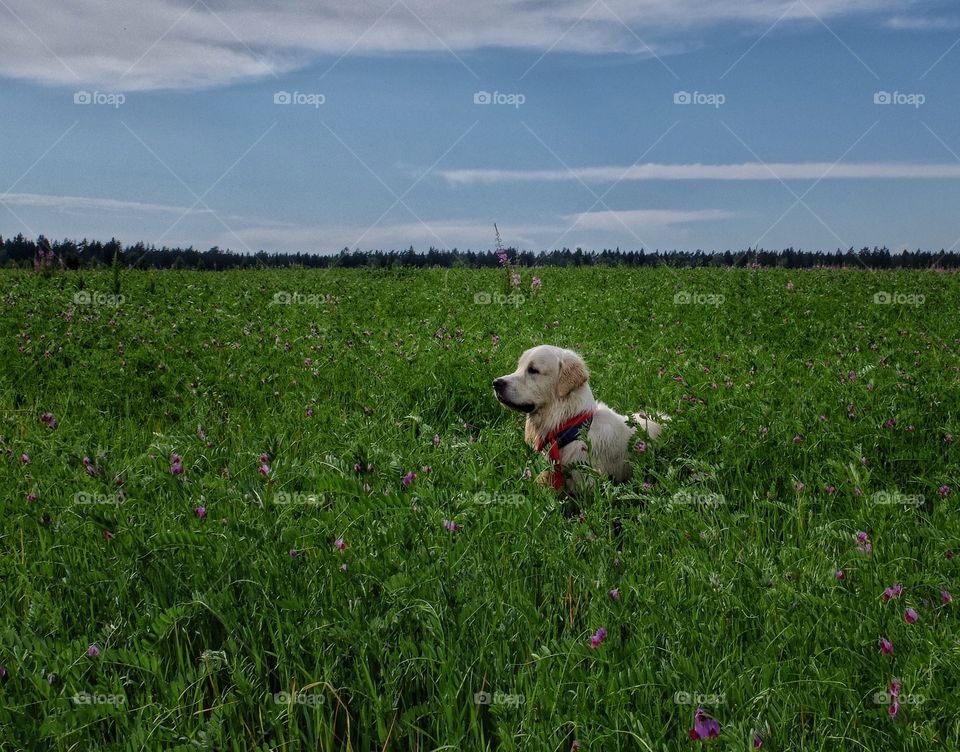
(499, 384)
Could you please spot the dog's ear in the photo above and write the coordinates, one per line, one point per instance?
(573, 373)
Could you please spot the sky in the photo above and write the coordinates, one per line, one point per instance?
(654, 124)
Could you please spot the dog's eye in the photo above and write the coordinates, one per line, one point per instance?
(531, 369)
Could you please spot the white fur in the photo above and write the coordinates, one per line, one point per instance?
(551, 386)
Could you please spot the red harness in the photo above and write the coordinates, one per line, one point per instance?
(558, 438)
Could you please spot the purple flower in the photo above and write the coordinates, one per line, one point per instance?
(24, 458)
(495, 339)
(527, 474)
(3, 672)
(892, 592)
(176, 469)
(31, 497)
(535, 283)
(614, 594)
(886, 647)
(436, 439)
(790, 284)
(641, 447)
(264, 470)
(427, 469)
(340, 544)
(944, 490)
(409, 478)
(910, 616)
(840, 574)
(201, 512)
(451, 526)
(797, 439)
(598, 637)
(945, 597)
(576, 746)
(93, 651)
(515, 279)
(830, 489)
(107, 534)
(292, 552)
(264, 458)
(862, 537)
(704, 727)
(799, 487)
(757, 741)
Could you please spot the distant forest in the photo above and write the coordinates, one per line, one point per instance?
(69, 254)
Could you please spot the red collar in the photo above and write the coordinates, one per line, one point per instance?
(559, 437)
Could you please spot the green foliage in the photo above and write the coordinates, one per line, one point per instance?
(224, 615)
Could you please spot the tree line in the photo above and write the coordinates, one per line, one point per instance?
(87, 254)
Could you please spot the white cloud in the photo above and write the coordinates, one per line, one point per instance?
(84, 203)
(919, 23)
(186, 43)
(639, 219)
(742, 171)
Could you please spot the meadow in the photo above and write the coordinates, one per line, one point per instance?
(282, 510)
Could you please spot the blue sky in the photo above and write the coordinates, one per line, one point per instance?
(649, 124)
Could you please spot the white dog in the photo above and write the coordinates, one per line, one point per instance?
(550, 386)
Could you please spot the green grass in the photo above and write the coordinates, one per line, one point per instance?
(726, 571)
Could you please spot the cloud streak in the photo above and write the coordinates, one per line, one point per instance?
(162, 44)
(742, 171)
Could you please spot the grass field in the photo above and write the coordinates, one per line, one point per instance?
(167, 587)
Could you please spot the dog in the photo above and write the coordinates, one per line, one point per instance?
(550, 387)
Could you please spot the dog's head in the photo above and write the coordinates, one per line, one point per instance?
(544, 375)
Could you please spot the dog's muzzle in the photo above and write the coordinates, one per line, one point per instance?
(500, 390)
